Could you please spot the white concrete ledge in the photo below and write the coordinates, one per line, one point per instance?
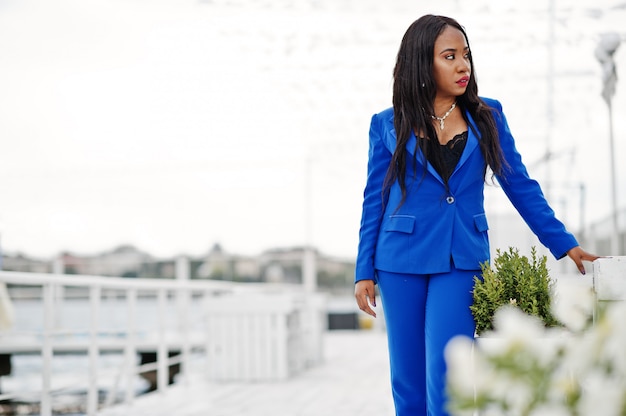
(609, 278)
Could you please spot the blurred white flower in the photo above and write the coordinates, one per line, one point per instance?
(602, 395)
(514, 325)
(517, 393)
(492, 411)
(550, 410)
(459, 355)
(549, 347)
(573, 306)
(521, 368)
(615, 345)
(579, 356)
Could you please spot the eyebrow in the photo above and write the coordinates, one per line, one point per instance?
(453, 50)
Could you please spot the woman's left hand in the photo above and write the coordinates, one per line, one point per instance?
(578, 255)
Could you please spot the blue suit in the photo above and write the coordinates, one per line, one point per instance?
(427, 251)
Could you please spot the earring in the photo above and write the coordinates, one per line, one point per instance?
(423, 84)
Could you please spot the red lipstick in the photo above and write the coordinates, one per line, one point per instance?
(463, 81)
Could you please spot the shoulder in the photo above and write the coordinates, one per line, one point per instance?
(383, 121)
(382, 128)
(492, 103)
(385, 116)
(386, 113)
(496, 109)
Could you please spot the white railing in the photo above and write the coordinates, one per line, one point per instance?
(276, 328)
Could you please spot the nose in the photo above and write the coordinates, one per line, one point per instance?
(465, 66)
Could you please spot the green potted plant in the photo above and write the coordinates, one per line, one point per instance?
(514, 280)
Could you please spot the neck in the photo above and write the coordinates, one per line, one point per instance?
(443, 105)
(441, 119)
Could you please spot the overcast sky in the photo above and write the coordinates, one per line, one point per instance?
(175, 124)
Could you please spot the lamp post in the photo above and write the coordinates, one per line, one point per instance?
(605, 50)
(309, 263)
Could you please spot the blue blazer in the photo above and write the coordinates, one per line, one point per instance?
(434, 226)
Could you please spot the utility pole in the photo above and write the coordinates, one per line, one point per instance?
(550, 101)
(609, 42)
(309, 262)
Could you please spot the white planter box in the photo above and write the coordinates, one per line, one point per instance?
(609, 278)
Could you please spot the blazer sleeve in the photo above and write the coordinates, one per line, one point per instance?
(526, 195)
(379, 158)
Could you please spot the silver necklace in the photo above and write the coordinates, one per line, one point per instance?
(441, 119)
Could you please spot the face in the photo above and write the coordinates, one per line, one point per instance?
(451, 64)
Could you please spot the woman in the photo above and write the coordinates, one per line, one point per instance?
(423, 228)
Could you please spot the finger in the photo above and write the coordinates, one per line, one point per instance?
(369, 311)
(364, 292)
(581, 267)
(579, 263)
(578, 255)
(590, 257)
(363, 304)
(367, 308)
(371, 293)
(361, 299)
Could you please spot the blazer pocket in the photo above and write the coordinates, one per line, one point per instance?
(400, 223)
(480, 221)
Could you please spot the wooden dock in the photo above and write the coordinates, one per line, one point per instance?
(352, 380)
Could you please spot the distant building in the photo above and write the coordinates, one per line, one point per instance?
(285, 266)
(282, 265)
(279, 265)
(123, 261)
(21, 263)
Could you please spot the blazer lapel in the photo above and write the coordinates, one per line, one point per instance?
(470, 146)
(411, 148)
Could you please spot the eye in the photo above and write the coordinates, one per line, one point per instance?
(449, 57)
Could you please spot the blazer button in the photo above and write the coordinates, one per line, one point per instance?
(450, 200)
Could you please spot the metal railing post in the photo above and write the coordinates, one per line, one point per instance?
(183, 300)
(58, 267)
(92, 393)
(131, 344)
(46, 349)
(162, 350)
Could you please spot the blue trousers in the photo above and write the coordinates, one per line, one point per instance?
(422, 313)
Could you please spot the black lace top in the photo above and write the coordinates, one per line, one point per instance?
(444, 157)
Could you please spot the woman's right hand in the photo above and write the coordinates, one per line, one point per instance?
(578, 255)
(365, 294)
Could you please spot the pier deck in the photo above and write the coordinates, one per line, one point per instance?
(353, 380)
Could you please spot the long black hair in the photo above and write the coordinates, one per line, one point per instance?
(414, 91)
